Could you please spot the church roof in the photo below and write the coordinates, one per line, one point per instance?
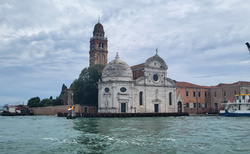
(139, 66)
(117, 70)
(98, 28)
(156, 57)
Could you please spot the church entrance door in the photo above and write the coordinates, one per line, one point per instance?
(123, 107)
(179, 107)
(156, 108)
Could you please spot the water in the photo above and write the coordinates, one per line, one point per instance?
(194, 134)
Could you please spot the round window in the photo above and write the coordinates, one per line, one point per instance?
(155, 77)
(123, 89)
(106, 90)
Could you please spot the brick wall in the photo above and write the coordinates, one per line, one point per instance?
(53, 110)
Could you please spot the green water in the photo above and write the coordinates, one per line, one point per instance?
(50, 134)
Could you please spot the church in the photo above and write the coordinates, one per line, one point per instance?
(143, 88)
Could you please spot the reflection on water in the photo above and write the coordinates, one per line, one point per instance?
(49, 134)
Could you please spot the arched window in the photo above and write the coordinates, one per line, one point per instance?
(140, 97)
(170, 98)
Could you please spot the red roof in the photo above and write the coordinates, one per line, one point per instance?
(239, 83)
(137, 66)
(189, 85)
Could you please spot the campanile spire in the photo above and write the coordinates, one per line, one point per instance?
(98, 46)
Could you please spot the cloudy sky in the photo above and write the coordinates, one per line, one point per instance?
(45, 43)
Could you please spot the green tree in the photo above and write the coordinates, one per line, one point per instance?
(85, 88)
(34, 102)
(47, 102)
(77, 86)
(57, 101)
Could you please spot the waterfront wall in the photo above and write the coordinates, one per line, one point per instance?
(53, 110)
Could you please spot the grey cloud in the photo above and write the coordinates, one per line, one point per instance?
(46, 43)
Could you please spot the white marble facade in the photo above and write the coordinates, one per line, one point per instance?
(153, 92)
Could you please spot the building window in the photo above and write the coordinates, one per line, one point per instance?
(246, 91)
(187, 93)
(243, 97)
(123, 89)
(194, 93)
(194, 105)
(234, 92)
(237, 97)
(170, 98)
(199, 105)
(155, 77)
(225, 94)
(205, 105)
(140, 97)
(106, 90)
(101, 45)
(199, 94)
(187, 105)
(215, 94)
(205, 94)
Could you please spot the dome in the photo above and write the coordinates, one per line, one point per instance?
(98, 28)
(156, 58)
(117, 70)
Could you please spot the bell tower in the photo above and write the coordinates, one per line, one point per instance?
(98, 52)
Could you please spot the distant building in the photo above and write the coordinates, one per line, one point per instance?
(98, 52)
(66, 95)
(207, 99)
(195, 98)
(121, 92)
(145, 88)
(224, 92)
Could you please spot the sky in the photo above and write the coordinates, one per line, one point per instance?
(45, 43)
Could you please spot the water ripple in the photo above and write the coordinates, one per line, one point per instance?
(49, 134)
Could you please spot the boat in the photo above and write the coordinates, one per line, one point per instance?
(16, 110)
(238, 107)
(71, 112)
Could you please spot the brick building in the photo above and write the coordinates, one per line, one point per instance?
(224, 92)
(198, 99)
(194, 98)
